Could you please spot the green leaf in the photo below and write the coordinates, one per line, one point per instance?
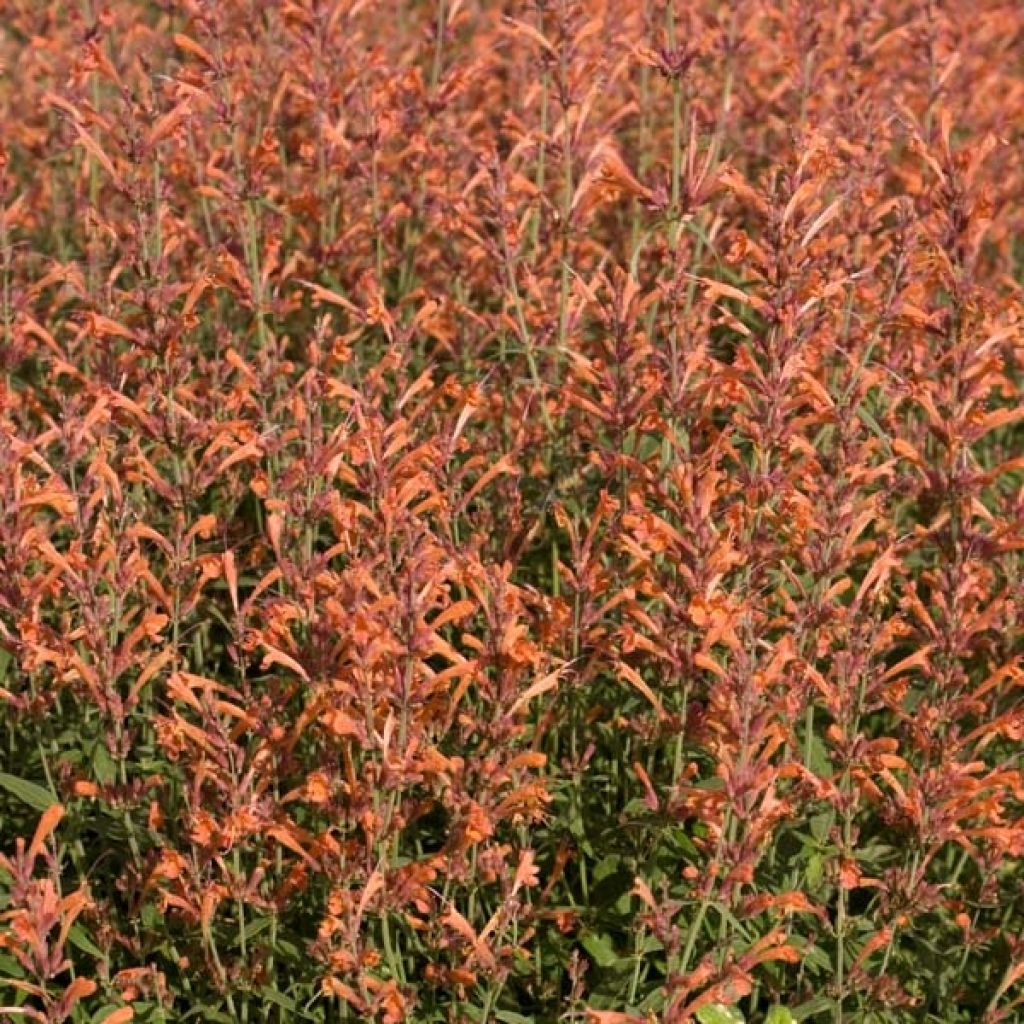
(104, 1012)
(28, 792)
(600, 948)
(815, 956)
(151, 917)
(713, 783)
(779, 1015)
(279, 999)
(821, 824)
(103, 765)
(256, 927)
(10, 968)
(719, 1013)
(872, 424)
(607, 866)
(80, 940)
(817, 1005)
(286, 947)
(815, 870)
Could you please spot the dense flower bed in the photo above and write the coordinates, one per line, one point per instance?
(511, 512)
